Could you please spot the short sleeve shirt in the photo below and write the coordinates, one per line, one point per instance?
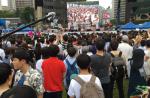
(74, 88)
(32, 79)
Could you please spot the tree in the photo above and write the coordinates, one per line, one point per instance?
(7, 14)
(27, 15)
(114, 22)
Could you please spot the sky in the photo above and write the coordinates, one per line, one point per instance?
(104, 3)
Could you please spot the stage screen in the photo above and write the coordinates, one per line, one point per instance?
(82, 15)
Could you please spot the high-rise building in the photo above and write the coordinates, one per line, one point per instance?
(7, 5)
(58, 6)
(24, 3)
(12, 4)
(132, 10)
(0, 5)
(137, 10)
(122, 9)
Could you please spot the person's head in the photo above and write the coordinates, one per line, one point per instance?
(125, 38)
(143, 42)
(45, 53)
(53, 50)
(71, 51)
(83, 61)
(20, 58)
(5, 73)
(51, 38)
(148, 43)
(100, 44)
(13, 41)
(20, 92)
(138, 58)
(114, 45)
(85, 49)
(65, 37)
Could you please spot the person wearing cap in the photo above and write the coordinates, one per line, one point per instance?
(126, 50)
(26, 75)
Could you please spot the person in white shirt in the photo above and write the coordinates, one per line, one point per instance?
(45, 55)
(126, 50)
(83, 61)
(6, 43)
(2, 54)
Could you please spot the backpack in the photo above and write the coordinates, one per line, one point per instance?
(89, 89)
(72, 71)
(117, 67)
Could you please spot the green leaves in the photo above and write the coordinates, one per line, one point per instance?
(7, 14)
(27, 15)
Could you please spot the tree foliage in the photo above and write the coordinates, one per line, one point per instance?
(114, 22)
(7, 14)
(27, 14)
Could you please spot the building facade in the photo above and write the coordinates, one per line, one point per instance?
(9, 5)
(122, 9)
(58, 6)
(12, 4)
(0, 5)
(137, 10)
(20, 4)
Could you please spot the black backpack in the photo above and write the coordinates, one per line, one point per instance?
(118, 66)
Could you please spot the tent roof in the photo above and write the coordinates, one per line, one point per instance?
(145, 25)
(129, 25)
(25, 29)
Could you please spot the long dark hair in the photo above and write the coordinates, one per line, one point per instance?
(138, 59)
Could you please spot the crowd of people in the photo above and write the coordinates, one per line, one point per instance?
(82, 16)
(84, 65)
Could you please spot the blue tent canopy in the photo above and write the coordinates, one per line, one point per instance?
(8, 30)
(129, 25)
(27, 29)
(2, 22)
(145, 25)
